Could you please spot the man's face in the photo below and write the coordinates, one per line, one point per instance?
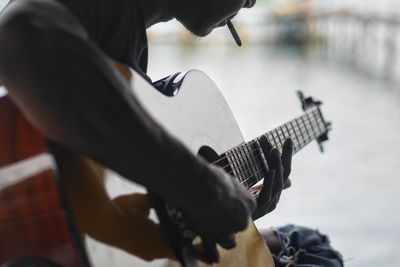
(202, 16)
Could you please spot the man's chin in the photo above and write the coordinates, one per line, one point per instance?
(198, 30)
(201, 33)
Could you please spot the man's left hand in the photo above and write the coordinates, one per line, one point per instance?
(276, 179)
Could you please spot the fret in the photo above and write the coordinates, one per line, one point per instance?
(276, 137)
(247, 168)
(289, 129)
(297, 143)
(285, 130)
(237, 167)
(301, 132)
(232, 161)
(269, 137)
(279, 138)
(283, 136)
(305, 128)
(263, 160)
(292, 132)
(255, 172)
(256, 158)
(313, 125)
(260, 160)
(309, 127)
(321, 125)
(289, 134)
(248, 161)
(246, 164)
(318, 120)
(273, 136)
(307, 132)
(284, 133)
(310, 136)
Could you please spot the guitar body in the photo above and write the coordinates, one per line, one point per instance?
(250, 251)
(47, 210)
(198, 116)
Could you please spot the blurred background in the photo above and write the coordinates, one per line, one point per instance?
(343, 52)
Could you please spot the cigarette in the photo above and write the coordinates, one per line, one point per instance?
(234, 32)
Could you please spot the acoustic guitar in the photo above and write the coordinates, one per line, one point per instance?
(58, 208)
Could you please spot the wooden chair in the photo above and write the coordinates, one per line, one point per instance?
(35, 225)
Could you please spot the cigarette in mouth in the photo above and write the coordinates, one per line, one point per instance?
(234, 32)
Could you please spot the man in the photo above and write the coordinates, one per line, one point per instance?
(55, 61)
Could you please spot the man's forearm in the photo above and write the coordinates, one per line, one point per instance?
(74, 95)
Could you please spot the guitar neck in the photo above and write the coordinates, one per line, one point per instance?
(247, 161)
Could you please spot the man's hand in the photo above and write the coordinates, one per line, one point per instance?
(222, 211)
(277, 178)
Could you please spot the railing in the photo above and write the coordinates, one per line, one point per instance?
(367, 41)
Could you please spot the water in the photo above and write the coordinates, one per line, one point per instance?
(352, 191)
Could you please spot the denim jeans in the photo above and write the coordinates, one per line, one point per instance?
(304, 247)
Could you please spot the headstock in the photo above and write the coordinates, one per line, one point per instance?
(308, 103)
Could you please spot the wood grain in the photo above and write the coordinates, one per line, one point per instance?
(33, 221)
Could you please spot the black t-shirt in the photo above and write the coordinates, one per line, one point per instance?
(117, 27)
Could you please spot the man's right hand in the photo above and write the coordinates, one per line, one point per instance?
(219, 213)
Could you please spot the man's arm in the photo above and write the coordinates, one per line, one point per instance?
(73, 94)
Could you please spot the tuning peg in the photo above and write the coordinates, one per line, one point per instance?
(307, 102)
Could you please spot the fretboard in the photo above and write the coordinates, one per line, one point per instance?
(247, 162)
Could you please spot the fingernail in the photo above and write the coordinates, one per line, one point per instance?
(289, 141)
(274, 152)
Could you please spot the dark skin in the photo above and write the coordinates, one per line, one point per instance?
(201, 18)
(277, 177)
(198, 17)
(67, 103)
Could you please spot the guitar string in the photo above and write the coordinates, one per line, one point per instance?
(312, 126)
(240, 163)
(278, 145)
(251, 176)
(306, 141)
(243, 182)
(302, 129)
(258, 157)
(240, 160)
